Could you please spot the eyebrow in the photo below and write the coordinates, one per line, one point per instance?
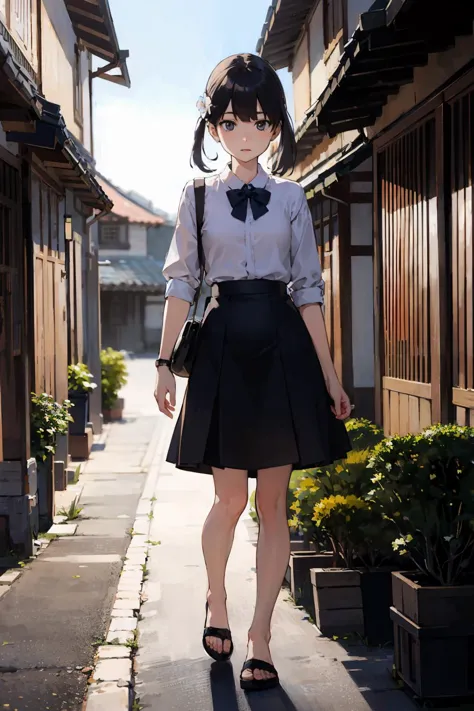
(230, 113)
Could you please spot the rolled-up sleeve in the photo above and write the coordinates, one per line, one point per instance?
(307, 284)
(181, 268)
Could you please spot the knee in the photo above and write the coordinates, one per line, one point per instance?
(232, 505)
(270, 508)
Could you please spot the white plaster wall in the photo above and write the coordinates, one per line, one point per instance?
(137, 235)
(301, 82)
(354, 9)
(361, 223)
(58, 62)
(154, 312)
(317, 67)
(362, 322)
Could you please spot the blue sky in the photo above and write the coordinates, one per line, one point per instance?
(143, 135)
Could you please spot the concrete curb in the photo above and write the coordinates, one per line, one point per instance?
(111, 684)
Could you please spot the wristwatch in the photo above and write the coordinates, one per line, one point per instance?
(163, 361)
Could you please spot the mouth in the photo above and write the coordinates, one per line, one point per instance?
(246, 150)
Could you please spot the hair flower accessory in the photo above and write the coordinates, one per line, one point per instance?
(204, 105)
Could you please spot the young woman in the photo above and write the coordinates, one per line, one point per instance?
(263, 397)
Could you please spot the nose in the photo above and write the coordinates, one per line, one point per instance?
(244, 138)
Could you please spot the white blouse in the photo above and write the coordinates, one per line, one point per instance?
(280, 245)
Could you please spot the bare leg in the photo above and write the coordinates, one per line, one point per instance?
(231, 496)
(273, 552)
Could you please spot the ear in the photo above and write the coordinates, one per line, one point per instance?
(213, 132)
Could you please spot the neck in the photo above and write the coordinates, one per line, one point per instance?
(245, 172)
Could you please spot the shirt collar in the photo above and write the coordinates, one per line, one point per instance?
(230, 180)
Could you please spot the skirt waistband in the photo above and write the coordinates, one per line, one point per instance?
(249, 286)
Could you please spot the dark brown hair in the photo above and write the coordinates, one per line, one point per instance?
(244, 80)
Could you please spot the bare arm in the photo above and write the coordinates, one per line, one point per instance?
(313, 317)
(175, 314)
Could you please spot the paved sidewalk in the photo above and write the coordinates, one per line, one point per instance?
(174, 673)
(60, 606)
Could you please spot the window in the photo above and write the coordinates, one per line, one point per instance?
(78, 86)
(113, 235)
(334, 21)
(21, 20)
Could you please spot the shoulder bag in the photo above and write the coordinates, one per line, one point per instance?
(184, 351)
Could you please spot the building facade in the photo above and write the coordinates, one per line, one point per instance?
(383, 105)
(48, 201)
(133, 241)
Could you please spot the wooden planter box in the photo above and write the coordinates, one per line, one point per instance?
(116, 412)
(301, 563)
(353, 601)
(79, 413)
(434, 637)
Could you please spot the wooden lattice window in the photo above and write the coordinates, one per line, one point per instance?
(22, 18)
(408, 215)
(113, 235)
(334, 21)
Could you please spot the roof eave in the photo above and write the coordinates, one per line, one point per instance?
(95, 27)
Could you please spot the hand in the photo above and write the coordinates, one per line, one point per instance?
(165, 391)
(342, 405)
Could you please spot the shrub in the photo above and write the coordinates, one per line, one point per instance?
(424, 485)
(114, 376)
(350, 530)
(363, 433)
(48, 420)
(80, 378)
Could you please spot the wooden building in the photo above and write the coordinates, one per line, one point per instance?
(48, 198)
(397, 80)
(133, 241)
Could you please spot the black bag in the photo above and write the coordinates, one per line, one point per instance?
(184, 351)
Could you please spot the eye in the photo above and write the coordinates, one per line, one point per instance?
(262, 125)
(227, 125)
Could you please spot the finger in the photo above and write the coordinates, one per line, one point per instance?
(338, 404)
(172, 394)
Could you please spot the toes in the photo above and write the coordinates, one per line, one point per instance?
(259, 674)
(227, 646)
(247, 675)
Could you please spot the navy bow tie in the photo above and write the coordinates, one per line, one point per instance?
(258, 197)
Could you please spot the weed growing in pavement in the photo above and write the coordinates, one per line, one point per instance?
(136, 706)
(151, 516)
(153, 499)
(153, 543)
(145, 570)
(98, 642)
(72, 512)
(130, 532)
(48, 536)
(132, 642)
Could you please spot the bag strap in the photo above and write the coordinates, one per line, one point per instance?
(199, 196)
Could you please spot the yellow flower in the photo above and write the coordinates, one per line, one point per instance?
(376, 478)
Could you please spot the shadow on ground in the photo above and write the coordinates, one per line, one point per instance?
(225, 694)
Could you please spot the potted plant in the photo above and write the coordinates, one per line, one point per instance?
(355, 596)
(114, 377)
(79, 385)
(49, 420)
(425, 488)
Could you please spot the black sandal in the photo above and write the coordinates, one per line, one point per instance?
(259, 684)
(222, 633)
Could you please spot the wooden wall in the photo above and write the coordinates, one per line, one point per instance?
(50, 312)
(423, 228)
(12, 324)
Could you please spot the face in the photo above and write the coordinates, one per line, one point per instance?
(244, 140)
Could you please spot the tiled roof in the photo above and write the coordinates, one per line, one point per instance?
(126, 208)
(132, 274)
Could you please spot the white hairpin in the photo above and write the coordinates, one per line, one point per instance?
(203, 105)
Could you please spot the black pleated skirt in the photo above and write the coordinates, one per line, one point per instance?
(256, 397)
